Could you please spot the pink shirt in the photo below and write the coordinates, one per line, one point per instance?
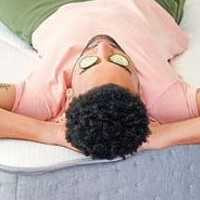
(147, 33)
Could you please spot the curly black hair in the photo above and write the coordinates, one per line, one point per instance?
(106, 122)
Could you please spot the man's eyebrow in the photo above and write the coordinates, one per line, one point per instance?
(108, 61)
(112, 44)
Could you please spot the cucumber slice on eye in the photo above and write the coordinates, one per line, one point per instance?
(119, 59)
(88, 62)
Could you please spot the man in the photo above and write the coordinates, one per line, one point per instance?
(110, 92)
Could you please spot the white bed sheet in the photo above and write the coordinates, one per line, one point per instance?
(16, 62)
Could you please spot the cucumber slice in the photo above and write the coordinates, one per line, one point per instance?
(88, 62)
(119, 59)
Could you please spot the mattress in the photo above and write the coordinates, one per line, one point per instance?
(30, 170)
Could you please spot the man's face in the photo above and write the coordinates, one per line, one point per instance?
(104, 70)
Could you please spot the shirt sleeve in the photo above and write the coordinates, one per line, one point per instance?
(175, 104)
(30, 103)
(41, 95)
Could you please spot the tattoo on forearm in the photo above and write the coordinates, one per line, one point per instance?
(4, 86)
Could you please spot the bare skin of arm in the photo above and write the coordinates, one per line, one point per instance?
(173, 134)
(7, 96)
(17, 126)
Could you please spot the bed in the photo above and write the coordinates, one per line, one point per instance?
(35, 171)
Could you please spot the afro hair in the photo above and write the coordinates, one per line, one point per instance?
(106, 122)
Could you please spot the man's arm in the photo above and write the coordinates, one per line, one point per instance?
(173, 134)
(16, 126)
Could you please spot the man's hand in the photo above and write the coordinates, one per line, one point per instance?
(57, 134)
(59, 138)
(60, 119)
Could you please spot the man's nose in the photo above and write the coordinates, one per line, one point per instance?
(104, 49)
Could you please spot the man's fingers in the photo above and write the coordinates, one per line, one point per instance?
(142, 147)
